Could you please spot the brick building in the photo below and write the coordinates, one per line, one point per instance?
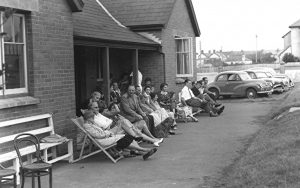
(56, 52)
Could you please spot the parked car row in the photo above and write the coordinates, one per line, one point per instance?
(249, 83)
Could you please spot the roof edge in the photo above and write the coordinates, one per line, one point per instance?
(116, 41)
(286, 34)
(193, 17)
(146, 27)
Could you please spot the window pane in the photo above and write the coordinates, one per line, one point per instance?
(186, 63)
(18, 27)
(14, 66)
(186, 45)
(179, 46)
(179, 64)
(7, 28)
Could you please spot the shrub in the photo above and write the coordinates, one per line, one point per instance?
(288, 57)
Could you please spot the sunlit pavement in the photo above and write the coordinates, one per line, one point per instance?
(198, 150)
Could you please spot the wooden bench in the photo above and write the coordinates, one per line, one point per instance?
(27, 151)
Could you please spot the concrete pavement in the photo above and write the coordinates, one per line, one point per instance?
(198, 150)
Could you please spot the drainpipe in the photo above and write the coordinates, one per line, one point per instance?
(164, 64)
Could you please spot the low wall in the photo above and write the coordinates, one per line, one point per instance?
(276, 67)
(293, 70)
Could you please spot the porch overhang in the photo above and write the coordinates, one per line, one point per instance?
(89, 41)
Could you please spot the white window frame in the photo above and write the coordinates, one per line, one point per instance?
(190, 41)
(2, 57)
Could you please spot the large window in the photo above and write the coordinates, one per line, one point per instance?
(13, 70)
(184, 56)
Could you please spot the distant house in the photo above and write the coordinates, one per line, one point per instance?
(291, 40)
(237, 59)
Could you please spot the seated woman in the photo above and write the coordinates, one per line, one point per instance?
(161, 110)
(97, 96)
(106, 138)
(142, 101)
(160, 115)
(120, 125)
(166, 99)
(157, 114)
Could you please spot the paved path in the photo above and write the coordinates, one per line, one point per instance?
(200, 149)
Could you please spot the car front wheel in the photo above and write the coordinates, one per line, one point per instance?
(251, 93)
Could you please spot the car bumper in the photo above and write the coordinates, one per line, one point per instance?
(265, 91)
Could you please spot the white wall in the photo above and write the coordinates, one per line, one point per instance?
(295, 36)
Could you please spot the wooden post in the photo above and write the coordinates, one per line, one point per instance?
(135, 66)
(106, 87)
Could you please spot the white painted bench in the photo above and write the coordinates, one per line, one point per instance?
(27, 151)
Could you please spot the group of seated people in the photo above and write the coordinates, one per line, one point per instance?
(140, 114)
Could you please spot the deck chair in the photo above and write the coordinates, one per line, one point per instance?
(79, 123)
(188, 110)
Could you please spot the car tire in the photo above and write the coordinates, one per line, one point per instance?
(251, 93)
(215, 91)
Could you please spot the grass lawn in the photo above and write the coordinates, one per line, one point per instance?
(271, 158)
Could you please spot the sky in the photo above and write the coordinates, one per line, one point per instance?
(233, 24)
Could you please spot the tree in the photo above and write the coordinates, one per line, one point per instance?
(289, 57)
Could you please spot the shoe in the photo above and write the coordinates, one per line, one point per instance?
(217, 104)
(221, 110)
(211, 114)
(156, 144)
(172, 132)
(132, 152)
(161, 140)
(174, 127)
(148, 154)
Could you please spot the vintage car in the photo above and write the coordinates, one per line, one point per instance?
(286, 80)
(238, 83)
(277, 83)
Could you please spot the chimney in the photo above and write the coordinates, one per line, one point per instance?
(214, 51)
(209, 51)
(202, 52)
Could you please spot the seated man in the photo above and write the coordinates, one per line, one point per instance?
(205, 90)
(131, 110)
(120, 126)
(107, 138)
(188, 98)
(198, 92)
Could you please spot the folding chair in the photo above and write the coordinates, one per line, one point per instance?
(189, 111)
(79, 123)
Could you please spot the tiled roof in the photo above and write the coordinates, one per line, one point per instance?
(296, 24)
(94, 22)
(140, 12)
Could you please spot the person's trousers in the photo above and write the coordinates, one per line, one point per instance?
(204, 105)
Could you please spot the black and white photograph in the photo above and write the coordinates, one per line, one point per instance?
(149, 94)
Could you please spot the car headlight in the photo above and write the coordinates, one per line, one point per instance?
(260, 85)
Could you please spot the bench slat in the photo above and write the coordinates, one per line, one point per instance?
(24, 120)
(35, 132)
(27, 150)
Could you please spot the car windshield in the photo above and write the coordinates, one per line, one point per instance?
(245, 76)
(261, 75)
